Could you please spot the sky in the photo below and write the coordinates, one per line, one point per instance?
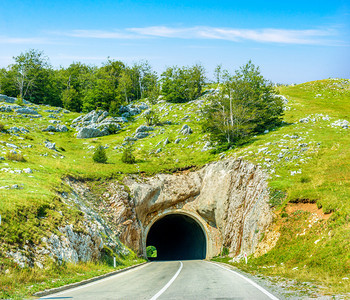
(291, 41)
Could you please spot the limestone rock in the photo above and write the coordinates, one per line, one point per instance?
(95, 124)
(230, 195)
(26, 111)
(185, 130)
(51, 146)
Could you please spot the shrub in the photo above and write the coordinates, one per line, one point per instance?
(151, 117)
(15, 156)
(2, 128)
(19, 101)
(113, 129)
(100, 155)
(225, 251)
(151, 251)
(128, 156)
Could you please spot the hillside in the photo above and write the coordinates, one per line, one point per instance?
(307, 158)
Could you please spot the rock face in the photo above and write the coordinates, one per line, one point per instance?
(229, 198)
(95, 124)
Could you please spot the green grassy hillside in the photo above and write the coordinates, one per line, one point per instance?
(308, 161)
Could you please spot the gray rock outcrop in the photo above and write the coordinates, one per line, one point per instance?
(231, 196)
(95, 124)
(26, 111)
(185, 130)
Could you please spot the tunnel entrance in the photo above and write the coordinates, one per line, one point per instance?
(177, 237)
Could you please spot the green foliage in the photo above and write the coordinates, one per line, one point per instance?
(182, 84)
(2, 128)
(71, 100)
(19, 101)
(128, 155)
(151, 117)
(245, 105)
(100, 155)
(151, 251)
(225, 251)
(15, 156)
(276, 197)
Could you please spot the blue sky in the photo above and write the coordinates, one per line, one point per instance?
(291, 41)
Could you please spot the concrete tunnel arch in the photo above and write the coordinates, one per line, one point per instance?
(177, 235)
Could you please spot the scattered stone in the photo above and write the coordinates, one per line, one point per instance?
(158, 150)
(166, 142)
(61, 128)
(130, 139)
(177, 141)
(185, 130)
(26, 111)
(304, 120)
(144, 128)
(50, 128)
(141, 135)
(28, 170)
(206, 147)
(341, 123)
(11, 146)
(51, 146)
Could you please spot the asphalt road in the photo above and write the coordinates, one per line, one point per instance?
(170, 280)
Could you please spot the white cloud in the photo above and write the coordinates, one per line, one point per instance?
(267, 35)
(99, 34)
(20, 40)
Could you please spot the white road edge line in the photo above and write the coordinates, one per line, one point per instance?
(156, 296)
(93, 283)
(249, 280)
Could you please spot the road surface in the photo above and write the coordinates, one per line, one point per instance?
(170, 280)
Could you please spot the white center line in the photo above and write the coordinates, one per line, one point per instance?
(249, 280)
(156, 296)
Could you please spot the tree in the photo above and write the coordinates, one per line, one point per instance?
(218, 74)
(182, 84)
(151, 117)
(100, 155)
(71, 100)
(31, 72)
(245, 105)
(128, 156)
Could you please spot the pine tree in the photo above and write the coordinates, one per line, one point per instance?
(100, 155)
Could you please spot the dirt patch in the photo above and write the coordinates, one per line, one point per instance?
(308, 207)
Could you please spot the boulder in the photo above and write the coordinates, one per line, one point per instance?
(51, 146)
(50, 128)
(144, 128)
(141, 135)
(61, 128)
(185, 130)
(26, 111)
(90, 132)
(95, 124)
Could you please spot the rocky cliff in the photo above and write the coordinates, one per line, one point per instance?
(230, 195)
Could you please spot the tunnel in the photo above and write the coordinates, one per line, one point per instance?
(177, 237)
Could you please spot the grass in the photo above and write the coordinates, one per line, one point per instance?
(22, 283)
(306, 162)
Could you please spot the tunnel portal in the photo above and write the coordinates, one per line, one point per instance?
(177, 237)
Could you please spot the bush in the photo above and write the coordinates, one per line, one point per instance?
(128, 156)
(151, 251)
(2, 128)
(151, 117)
(19, 101)
(100, 155)
(15, 156)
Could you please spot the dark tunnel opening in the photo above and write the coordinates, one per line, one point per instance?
(177, 237)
